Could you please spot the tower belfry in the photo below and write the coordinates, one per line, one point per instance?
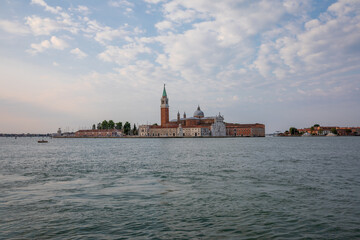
(164, 108)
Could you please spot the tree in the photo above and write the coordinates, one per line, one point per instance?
(134, 130)
(93, 127)
(99, 126)
(118, 125)
(111, 124)
(127, 128)
(316, 125)
(293, 131)
(334, 131)
(104, 125)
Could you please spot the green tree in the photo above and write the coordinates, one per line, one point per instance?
(111, 124)
(135, 130)
(118, 125)
(99, 126)
(104, 125)
(293, 131)
(127, 128)
(316, 125)
(93, 127)
(334, 131)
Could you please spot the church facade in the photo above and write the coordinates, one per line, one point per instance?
(197, 125)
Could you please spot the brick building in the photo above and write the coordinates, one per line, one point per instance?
(198, 125)
(99, 133)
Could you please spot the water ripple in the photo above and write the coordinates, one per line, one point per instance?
(243, 188)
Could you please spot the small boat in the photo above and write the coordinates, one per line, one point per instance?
(42, 141)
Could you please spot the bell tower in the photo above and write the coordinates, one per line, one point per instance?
(164, 108)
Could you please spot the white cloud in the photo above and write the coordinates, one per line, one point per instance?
(123, 55)
(163, 25)
(219, 39)
(120, 3)
(81, 9)
(154, 1)
(63, 21)
(327, 43)
(78, 53)
(108, 34)
(105, 34)
(126, 5)
(344, 7)
(58, 43)
(40, 47)
(48, 8)
(89, 27)
(297, 7)
(42, 26)
(53, 43)
(13, 27)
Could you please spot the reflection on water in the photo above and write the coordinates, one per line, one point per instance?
(232, 188)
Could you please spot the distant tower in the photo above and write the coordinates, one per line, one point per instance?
(164, 108)
(178, 117)
(184, 115)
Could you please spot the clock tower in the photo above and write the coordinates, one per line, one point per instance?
(164, 108)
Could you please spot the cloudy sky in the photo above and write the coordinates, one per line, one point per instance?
(283, 63)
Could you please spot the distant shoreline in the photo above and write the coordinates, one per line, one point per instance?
(142, 137)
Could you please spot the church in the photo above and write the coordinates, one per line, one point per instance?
(197, 125)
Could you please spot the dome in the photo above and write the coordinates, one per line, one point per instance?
(198, 113)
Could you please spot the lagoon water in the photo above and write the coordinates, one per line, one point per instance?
(229, 188)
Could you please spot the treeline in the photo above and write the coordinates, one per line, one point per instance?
(126, 128)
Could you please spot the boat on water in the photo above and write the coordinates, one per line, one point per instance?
(42, 141)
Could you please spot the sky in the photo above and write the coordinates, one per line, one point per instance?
(72, 63)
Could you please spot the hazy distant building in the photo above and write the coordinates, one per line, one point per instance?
(99, 133)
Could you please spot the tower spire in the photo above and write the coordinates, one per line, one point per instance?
(164, 92)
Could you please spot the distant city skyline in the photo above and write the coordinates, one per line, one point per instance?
(283, 63)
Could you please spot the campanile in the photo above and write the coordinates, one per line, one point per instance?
(164, 108)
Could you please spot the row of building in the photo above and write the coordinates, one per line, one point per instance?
(197, 125)
(99, 133)
(325, 130)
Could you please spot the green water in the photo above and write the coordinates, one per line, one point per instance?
(231, 188)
